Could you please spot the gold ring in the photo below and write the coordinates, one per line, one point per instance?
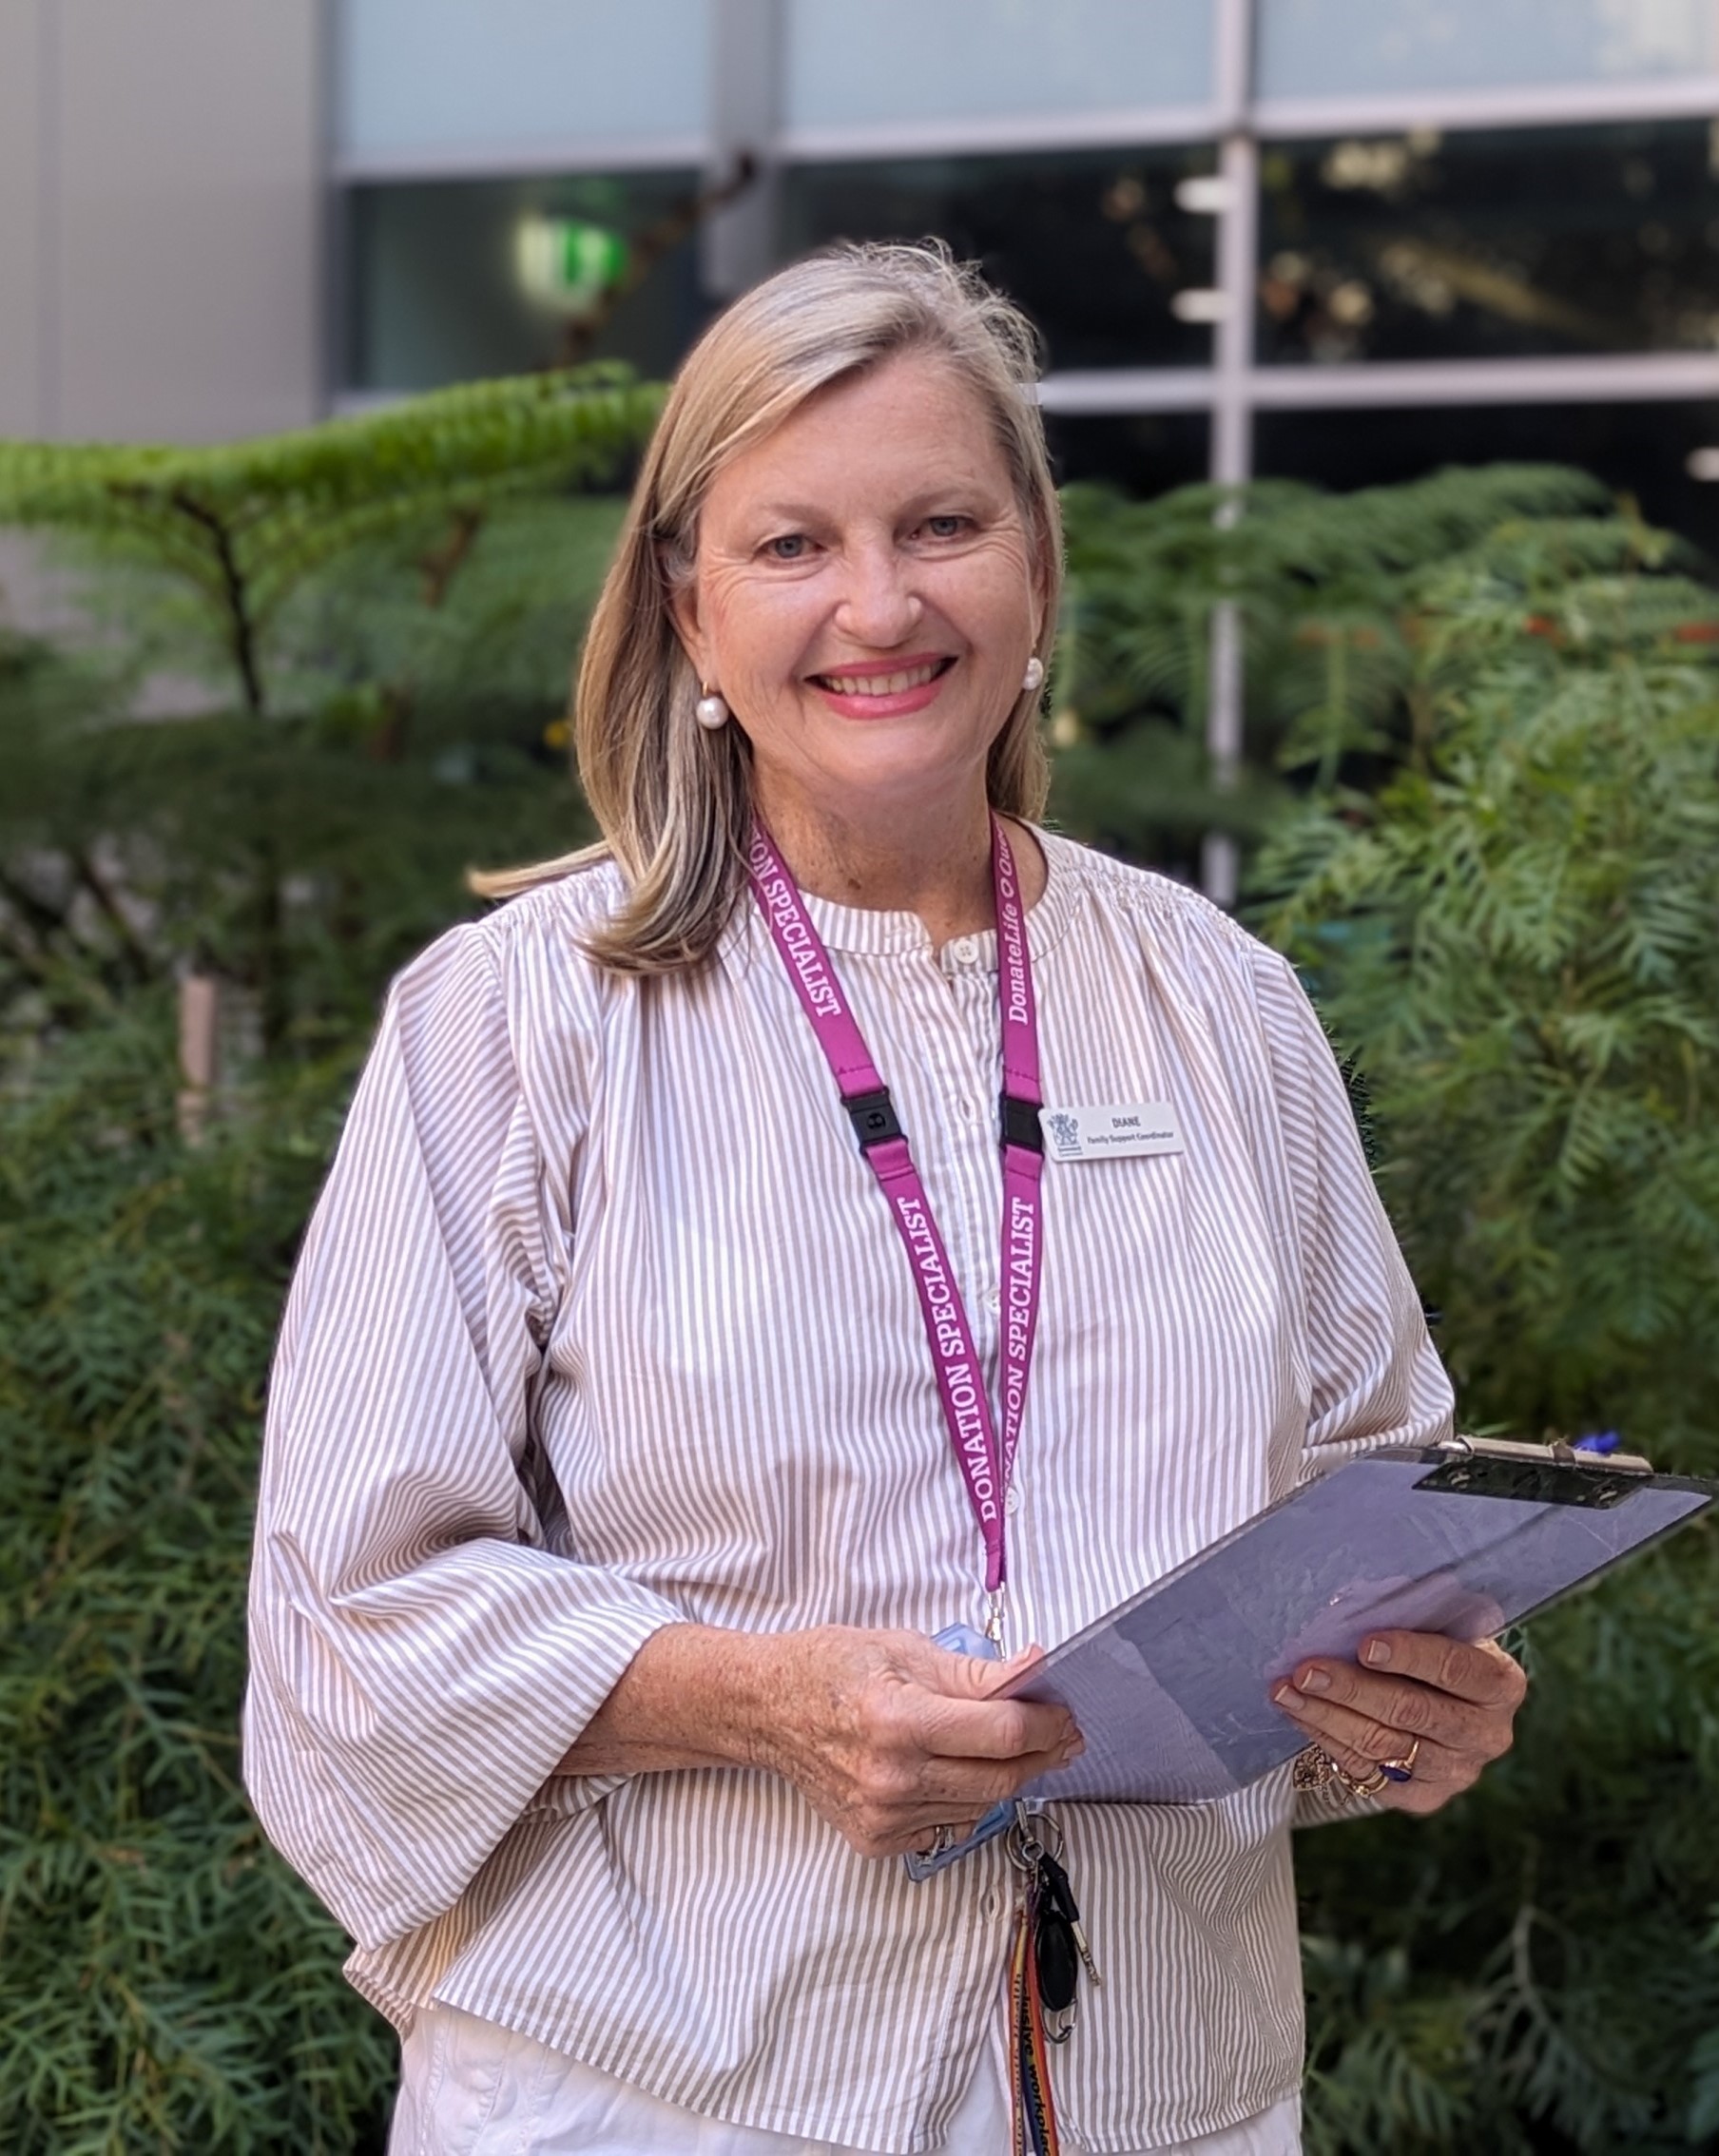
(1373, 1784)
(1402, 1770)
(1313, 1769)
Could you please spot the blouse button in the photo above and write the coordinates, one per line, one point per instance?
(1014, 1497)
(963, 951)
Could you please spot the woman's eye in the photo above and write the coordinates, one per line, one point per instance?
(791, 547)
(945, 527)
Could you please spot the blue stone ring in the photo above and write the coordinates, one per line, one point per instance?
(1402, 1770)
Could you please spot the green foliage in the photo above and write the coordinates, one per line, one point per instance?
(1319, 584)
(164, 1983)
(242, 526)
(411, 589)
(301, 856)
(1516, 934)
(1496, 701)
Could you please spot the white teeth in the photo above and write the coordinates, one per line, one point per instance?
(883, 684)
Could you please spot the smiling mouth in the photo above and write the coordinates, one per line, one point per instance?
(885, 684)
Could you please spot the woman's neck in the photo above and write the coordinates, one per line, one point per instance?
(938, 867)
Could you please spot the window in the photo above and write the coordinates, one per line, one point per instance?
(445, 286)
(1348, 47)
(1541, 241)
(1145, 453)
(1641, 449)
(430, 79)
(1091, 243)
(857, 62)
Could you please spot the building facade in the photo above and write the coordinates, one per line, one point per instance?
(1334, 239)
(1343, 239)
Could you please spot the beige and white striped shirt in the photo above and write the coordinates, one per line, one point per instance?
(601, 1324)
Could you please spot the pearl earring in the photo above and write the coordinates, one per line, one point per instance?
(1034, 679)
(712, 711)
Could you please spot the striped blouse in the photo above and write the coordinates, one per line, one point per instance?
(601, 1326)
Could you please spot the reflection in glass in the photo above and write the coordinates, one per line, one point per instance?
(1642, 450)
(452, 280)
(1091, 243)
(1422, 246)
(855, 61)
(1343, 48)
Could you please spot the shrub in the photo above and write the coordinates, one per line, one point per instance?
(1515, 935)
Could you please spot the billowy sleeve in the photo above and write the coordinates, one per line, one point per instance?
(419, 1660)
(1375, 1376)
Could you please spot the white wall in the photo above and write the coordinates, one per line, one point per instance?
(161, 190)
(20, 218)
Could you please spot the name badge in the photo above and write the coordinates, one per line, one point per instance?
(1112, 1131)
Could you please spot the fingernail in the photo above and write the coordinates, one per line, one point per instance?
(1314, 1680)
(1376, 1654)
(1283, 1695)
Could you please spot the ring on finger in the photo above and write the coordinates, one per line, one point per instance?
(1402, 1769)
(1313, 1769)
(1368, 1785)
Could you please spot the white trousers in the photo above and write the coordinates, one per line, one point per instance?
(469, 2088)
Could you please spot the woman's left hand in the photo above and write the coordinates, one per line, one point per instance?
(1447, 1705)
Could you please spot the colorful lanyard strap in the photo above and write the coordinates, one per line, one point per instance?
(984, 1451)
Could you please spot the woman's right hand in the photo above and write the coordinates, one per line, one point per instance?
(886, 1736)
(889, 1736)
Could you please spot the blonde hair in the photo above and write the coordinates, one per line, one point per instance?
(672, 800)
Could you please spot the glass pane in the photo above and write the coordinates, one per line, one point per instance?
(441, 75)
(454, 279)
(1143, 452)
(1490, 246)
(853, 60)
(1337, 47)
(1091, 243)
(1642, 450)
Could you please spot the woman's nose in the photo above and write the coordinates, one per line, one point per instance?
(878, 605)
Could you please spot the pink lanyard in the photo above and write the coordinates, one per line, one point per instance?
(986, 1460)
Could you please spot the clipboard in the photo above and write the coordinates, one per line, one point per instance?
(1171, 1689)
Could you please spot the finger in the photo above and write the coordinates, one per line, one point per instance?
(970, 1676)
(1437, 1776)
(953, 1786)
(1385, 1722)
(996, 1677)
(1359, 1745)
(990, 1730)
(1479, 1670)
(1410, 1710)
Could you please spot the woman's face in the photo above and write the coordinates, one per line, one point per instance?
(866, 598)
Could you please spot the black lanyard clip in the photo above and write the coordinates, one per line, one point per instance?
(872, 1116)
(1020, 1126)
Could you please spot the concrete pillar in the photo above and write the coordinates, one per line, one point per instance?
(161, 212)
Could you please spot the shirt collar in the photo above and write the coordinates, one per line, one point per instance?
(864, 933)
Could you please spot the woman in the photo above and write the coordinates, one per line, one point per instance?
(634, 1426)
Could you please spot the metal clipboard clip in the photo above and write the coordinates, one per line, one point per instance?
(1558, 1473)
